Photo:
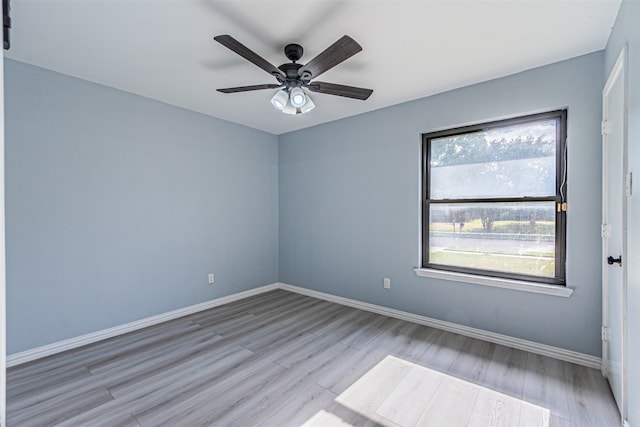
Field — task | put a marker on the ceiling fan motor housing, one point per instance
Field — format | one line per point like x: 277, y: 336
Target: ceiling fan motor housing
x: 291, y: 71
x: 293, y: 51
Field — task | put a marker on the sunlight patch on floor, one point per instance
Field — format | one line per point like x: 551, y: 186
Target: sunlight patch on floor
x: 400, y: 393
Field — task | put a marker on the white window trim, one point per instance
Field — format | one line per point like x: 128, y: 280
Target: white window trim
x: 497, y: 282
x: 527, y: 283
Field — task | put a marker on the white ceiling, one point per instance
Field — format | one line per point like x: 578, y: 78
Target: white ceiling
x: 164, y: 49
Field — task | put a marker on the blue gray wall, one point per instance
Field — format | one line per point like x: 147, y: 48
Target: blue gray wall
x: 118, y: 206
x: 350, y: 207
x: 627, y: 32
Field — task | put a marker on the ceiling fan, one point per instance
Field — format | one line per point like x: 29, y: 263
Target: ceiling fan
x: 293, y: 77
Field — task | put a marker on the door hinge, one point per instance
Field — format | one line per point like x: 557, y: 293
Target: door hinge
x: 605, y: 127
x: 562, y: 207
x: 605, y: 231
x: 605, y: 333
x: 628, y: 184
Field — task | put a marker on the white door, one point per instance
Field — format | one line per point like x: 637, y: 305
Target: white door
x: 614, y: 232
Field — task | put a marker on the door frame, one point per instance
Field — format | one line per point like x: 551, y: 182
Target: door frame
x: 619, y: 70
x: 3, y: 299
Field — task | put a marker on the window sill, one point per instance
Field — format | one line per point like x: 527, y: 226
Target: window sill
x: 518, y: 285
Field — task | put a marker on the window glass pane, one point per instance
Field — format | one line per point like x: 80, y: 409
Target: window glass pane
x: 512, y: 161
x: 505, y: 237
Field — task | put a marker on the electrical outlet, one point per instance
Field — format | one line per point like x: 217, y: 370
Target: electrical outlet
x: 387, y: 283
x: 211, y: 279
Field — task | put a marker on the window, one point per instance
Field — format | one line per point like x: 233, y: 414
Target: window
x: 494, y: 199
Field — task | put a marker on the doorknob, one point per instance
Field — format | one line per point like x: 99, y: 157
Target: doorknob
x: 611, y: 260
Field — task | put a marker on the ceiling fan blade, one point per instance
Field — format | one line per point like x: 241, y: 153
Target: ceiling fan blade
x: 233, y: 44
x: 343, y: 49
x: 340, y: 90
x: 247, y: 88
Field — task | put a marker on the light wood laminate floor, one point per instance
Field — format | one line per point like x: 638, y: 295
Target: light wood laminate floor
x: 283, y: 359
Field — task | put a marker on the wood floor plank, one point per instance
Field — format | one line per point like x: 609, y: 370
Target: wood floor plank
x: 160, y: 364
x: 139, y: 337
x: 114, y: 349
x: 146, y: 354
x: 45, y: 380
x: 443, y: 352
x: 506, y: 371
x: 61, y: 407
x: 288, y: 303
x: 365, y: 336
x: 304, y: 323
x: 38, y: 367
x: 545, y: 384
x: 421, y: 384
x: 196, y: 405
x: 533, y: 416
x: 213, y: 315
x: 311, y: 353
x: 355, y: 326
x: 311, y: 318
x: 395, y: 336
x: 36, y: 396
x: 295, y: 411
x: 176, y: 377
x: 338, y: 415
x: 452, y: 405
x: 187, y: 404
x: 280, y: 398
x: 105, y: 419
x: 224, y: 324
x: 472, y: 361
x: 557, y: 421
x: 161, y: 390
x: 267, y: 335
x: 342, y: 320
x: 350, y: 365
x: 590, y: 400
x: 284, y: 359
x: 495, y: 410
x: 369, y: 392
x: 418, y: 342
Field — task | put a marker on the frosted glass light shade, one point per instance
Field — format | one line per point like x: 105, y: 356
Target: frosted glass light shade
x: 290, y: 109
x: 298, y: 98
x: 280, y: 99
x: 308, y: 106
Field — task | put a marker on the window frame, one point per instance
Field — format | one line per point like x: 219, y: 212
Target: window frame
x: 560, y: 197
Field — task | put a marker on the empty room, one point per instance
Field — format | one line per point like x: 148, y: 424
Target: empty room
x: 320, y: 213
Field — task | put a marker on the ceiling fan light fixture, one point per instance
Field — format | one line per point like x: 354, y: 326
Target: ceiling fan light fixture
x: 298, y: 98
x: 280, y: 100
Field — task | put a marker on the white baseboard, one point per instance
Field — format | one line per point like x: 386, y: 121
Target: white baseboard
x: 533, y: 347
x: 543, y: 349
x: 60, y: 346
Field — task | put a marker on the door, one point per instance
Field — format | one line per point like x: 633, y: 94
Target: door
x: 614, y: 232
